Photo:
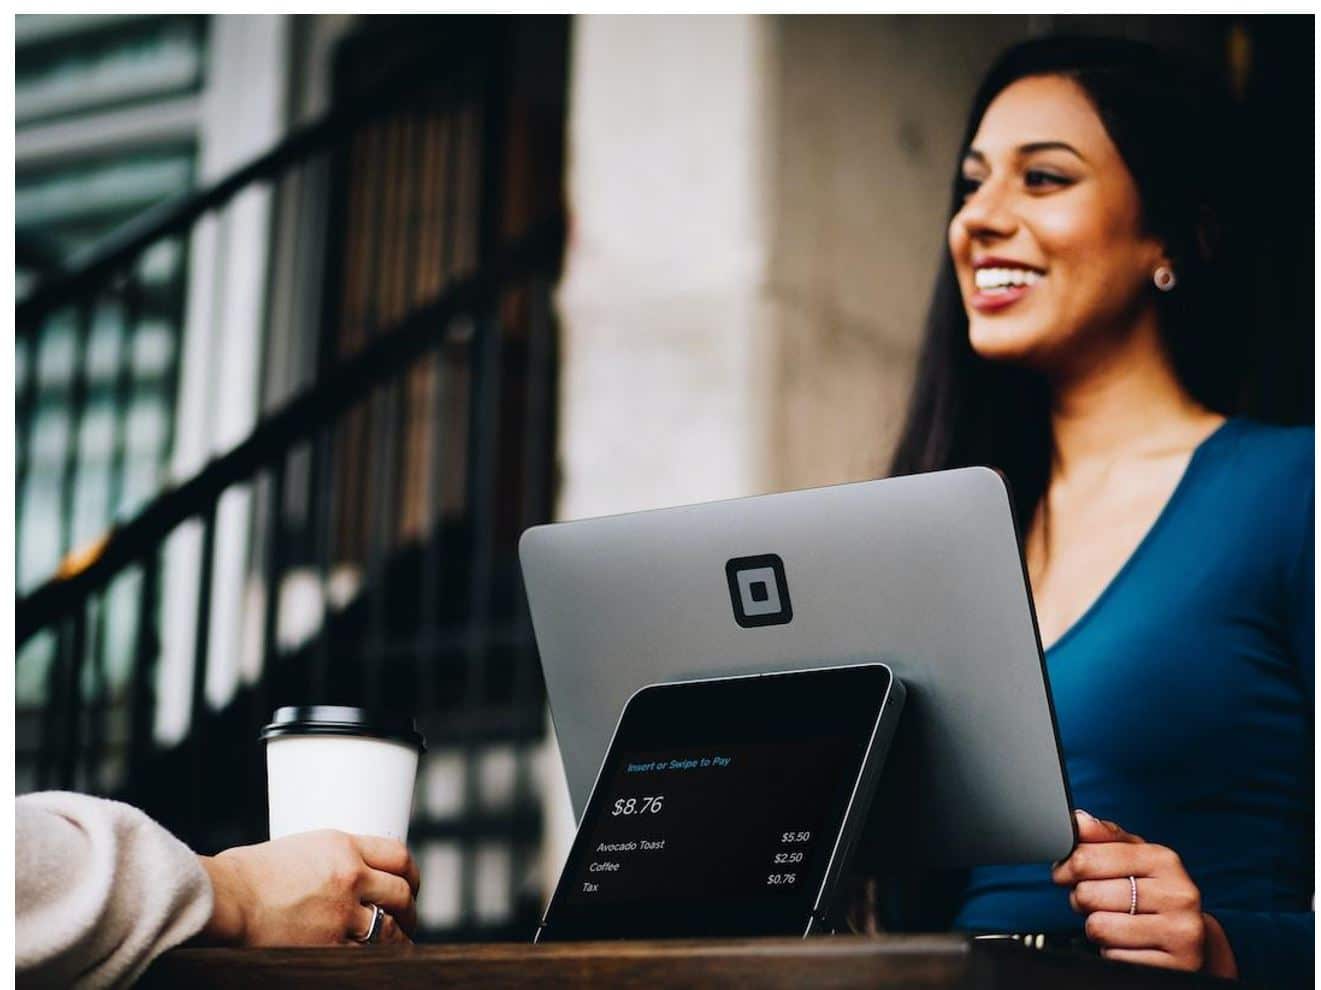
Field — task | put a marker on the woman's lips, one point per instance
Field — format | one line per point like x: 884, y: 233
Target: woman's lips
x: 991, y: 301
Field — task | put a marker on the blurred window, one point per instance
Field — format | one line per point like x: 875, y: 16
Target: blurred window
x: 108, y: 122
x: 95, y: 383
x: 115, y: 359
x: 71, y: 65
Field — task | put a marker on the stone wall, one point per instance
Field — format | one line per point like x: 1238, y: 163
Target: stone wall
x: 662, y: 338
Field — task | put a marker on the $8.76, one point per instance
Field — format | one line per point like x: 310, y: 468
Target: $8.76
x: 638, y: 806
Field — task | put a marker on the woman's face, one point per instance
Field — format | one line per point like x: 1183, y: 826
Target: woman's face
x: 1048, y: 246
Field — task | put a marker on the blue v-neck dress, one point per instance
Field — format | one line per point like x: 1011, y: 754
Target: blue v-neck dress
x: 1184, y: 697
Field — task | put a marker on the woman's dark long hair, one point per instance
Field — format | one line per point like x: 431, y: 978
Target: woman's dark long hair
x: 1169, y: 125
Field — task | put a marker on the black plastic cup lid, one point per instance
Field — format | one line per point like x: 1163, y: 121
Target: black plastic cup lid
x: 340, y: 720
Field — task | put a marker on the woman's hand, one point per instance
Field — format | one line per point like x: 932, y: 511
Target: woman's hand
x: 1168, y: 929
x: 311, y: 889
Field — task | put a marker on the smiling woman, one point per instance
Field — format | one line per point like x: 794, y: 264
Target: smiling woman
x: 1082, y: 340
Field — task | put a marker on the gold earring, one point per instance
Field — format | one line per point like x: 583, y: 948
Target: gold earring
x: 1164, y: 278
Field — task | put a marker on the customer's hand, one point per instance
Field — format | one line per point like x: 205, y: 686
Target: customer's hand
x: 1169, y: 928
x: 311, y: 889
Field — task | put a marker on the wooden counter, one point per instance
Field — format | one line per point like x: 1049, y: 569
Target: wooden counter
x: 917, y: 961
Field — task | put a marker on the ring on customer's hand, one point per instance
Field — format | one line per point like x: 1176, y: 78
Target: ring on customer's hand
x: 1132, y: 895
x: 374, y: 929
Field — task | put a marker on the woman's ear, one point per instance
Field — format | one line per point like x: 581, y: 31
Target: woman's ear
x: 1156, y: 258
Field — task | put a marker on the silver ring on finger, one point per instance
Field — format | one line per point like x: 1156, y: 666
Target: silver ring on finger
x: 374, y: 929
x: 1132, y: 895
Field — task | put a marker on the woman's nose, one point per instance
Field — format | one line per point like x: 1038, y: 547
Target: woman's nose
x: 987, y: 214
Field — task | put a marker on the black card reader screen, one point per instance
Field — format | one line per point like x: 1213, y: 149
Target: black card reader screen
x: 724, y: 821
x: 719, y: 805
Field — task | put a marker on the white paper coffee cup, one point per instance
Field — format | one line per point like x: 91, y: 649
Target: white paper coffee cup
x: 329, y: 766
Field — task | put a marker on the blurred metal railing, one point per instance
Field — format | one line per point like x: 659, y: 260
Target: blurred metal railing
x: 398, y: 478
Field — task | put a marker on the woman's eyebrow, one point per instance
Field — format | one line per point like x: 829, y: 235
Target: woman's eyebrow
x: 1027, y: 149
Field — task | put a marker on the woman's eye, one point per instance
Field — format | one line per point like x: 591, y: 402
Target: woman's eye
x: 968, y: 186
x: 1036, y: 179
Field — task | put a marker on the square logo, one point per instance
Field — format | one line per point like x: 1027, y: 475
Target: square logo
x: 758, y: 591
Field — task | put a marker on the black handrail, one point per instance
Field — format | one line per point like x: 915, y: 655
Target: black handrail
x: 110, y: 254
x: 36, y: 250
x: 426, y: 327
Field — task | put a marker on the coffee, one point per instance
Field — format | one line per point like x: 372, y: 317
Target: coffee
x: 330, y: 766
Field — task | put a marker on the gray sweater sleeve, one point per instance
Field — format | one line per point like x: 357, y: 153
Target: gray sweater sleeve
x: 100, y: 890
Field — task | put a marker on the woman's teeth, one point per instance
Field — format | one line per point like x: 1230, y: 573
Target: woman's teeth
x: 1002, y: 279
